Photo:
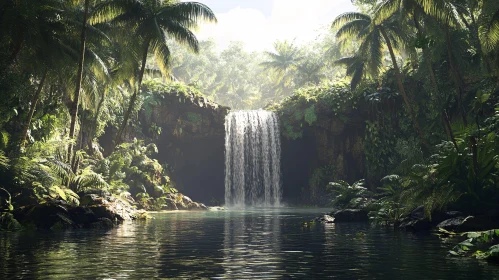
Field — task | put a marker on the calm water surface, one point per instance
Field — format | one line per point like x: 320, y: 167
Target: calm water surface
x: 259, y: 244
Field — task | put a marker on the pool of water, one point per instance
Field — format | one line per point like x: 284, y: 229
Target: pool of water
x: 257, y: 243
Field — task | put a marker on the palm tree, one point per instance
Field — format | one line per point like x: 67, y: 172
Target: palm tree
x: 74, y: 106
x: 21, y: 30
x: 282, y: 62
x: 310, y: 71
x: 150, y: 22
x: 373, y: 38
x: 414, y: 10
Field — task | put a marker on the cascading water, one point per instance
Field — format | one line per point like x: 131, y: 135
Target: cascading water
x: 252, y: 159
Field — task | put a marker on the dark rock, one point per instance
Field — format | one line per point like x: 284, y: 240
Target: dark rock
x: 92, y: 199
x: 439, y: 217
x: 82, y: 215
x: 102, y: 211
x: 8, y: 222
x: 350, y: 215
x: 470, y: 223
x: 45, y: 216
x: 415, y: 224
x: 170, y: 204
x: 102, y: 223
x: 326, y: 219
x: 418, y: 213
x: 97, y: 192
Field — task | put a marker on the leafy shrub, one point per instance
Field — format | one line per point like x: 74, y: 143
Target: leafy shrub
x: 350, y: 196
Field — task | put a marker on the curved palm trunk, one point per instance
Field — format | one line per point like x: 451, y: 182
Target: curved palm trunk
x: 400, y: 84
x: 75, y: 104
x: 117, y: 141
x: 94, y: 123
x: 34, y: 102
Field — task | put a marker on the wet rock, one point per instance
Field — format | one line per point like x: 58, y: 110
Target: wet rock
x: 470, y: 223
x: 8, y: 222
x: 102, y: 211
x: 350, y: 215
x: 45, y: 216
x: 418, y: 213
x: 82, y: 215
x: 326, y: 219
x: 197, y: 206
x: 102, y: 223
x: 92, y: 199
x: 169, y: 205
x: 186, y: 200
x: 415, y: 224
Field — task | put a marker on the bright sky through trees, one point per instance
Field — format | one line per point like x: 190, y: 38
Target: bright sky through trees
x: 259, y: 23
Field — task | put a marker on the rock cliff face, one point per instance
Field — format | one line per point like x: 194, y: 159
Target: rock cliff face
x: 192, y: 143
x: 189, y: 132
x: 330, y: 149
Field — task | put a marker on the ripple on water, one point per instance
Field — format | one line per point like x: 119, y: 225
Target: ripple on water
x: 255, y: 244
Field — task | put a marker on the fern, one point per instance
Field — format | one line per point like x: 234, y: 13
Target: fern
x: 4, y: 160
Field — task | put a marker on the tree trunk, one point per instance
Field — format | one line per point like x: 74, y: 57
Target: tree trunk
x: 75, y: 103
x: 460, y: 92
x: 34, y: 101
x: 398, y: 76
x: 117, y: 141
x: 94, y: 124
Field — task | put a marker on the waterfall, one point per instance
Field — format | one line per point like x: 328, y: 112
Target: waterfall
x: 252, y: 159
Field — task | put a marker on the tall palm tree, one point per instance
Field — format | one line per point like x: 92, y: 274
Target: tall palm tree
x: 24, y: 22
x: 414, y: 10
x: 150, y: 23
x: 373, y: 38
x: 76, y: 99
x: 282, y: 62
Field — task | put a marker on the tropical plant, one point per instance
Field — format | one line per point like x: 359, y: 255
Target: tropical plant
x: 282, y: 62
x: 345, y: 195
x: 373, y: 37
x: 152, y: 22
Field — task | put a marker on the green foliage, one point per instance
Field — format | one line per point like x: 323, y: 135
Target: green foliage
x: 310, y: 116
x: 345, y: 195
x: 194, y: 117
x: 303, y: 107
x: 130, y: 168
x: 476, y: 244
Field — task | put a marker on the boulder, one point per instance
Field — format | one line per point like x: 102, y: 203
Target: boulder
x: 45, y: 216
x: 82, y: 215
x: 470, y: 223
x: 92, y: 199
x: 325, y: 219
x: 102, y: 223
x: 170, y: 205
x: 350, y: 215
x: 415, y: 224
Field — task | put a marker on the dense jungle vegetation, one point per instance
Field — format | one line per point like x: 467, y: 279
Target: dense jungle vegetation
x: 423, y: 75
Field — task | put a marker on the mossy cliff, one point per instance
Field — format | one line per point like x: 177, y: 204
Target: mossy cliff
x: 188, y: 130
x: 322, y: 140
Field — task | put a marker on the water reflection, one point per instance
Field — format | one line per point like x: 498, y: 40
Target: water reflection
x: 256, y: 243
x: 252, y: 244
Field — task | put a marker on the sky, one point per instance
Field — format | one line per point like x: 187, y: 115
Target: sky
x: 259, y: 23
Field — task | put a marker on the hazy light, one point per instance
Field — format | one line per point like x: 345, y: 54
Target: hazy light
x: 296, y: 20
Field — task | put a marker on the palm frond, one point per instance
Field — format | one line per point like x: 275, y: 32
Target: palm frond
x: 347, y: 17
x: 188, y: 12
x: 386, y: 9
x: 352, y: 29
